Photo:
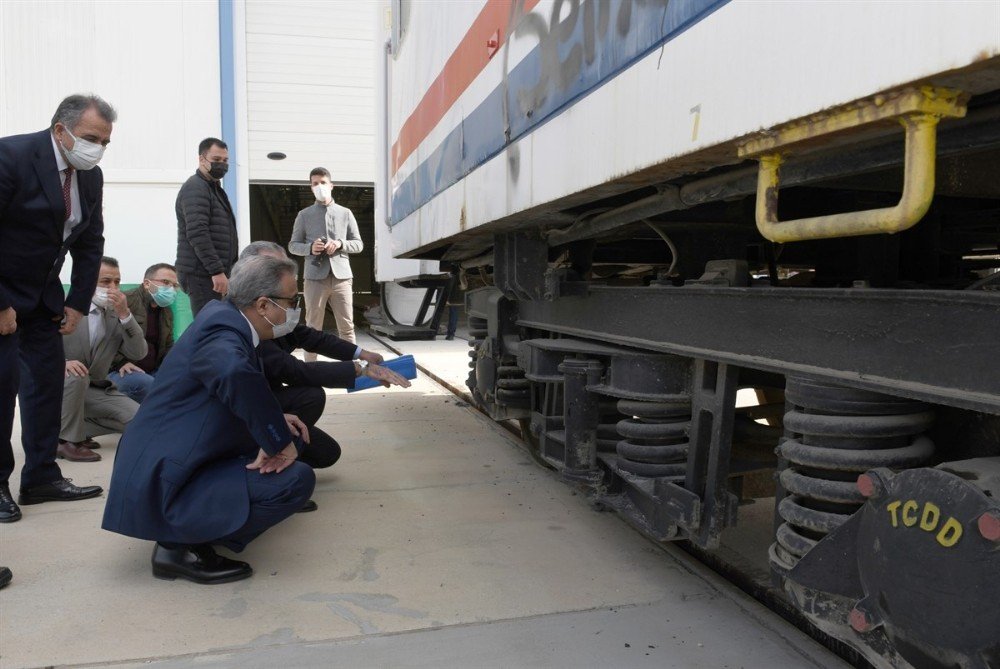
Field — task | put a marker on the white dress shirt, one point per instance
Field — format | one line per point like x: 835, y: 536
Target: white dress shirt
x: 95, y: 323
x: 253, y: 330
x: 74, y: 190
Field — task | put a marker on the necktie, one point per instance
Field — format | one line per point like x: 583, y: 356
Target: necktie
x: 67, y: 184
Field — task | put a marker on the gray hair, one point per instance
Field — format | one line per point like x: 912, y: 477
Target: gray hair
x: 256, y: 248
x: 258, y: 276
x: 70, y: 110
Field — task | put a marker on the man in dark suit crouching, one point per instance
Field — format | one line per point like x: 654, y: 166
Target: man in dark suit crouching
x: 210, y: 458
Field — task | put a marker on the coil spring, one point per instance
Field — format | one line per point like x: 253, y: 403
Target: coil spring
x: 840, y: 434
x: 512, y: 387
x: 607, y: 428
x: 655, y: 440
x: 477, y: 334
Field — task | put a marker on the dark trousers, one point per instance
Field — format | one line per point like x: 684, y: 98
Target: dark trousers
x: 308, y: 402
x: 32, y: 367
x: 273, y: 497
x: 199, y: 290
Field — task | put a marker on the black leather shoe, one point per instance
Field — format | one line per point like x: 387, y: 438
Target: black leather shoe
x: 200, y: 564
x: 9, y: 511
x: 5, y: 576
x: 308, y: 506
x: 61, y: 490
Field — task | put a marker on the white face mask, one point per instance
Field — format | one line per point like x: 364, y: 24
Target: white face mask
x: 322, y: 192
x: 100, y: 297
x: 292, y: 317
x: 84, y: 155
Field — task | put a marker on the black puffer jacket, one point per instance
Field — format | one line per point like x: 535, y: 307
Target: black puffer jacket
x: 206, y: 228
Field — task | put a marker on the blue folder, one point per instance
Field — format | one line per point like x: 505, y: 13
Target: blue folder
x: 404, y: 365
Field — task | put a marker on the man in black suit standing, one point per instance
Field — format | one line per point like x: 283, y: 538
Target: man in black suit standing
x: 51, y: 197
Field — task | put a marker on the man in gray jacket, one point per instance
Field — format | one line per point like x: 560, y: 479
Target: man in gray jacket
x: 91, y: 405
x: 207, y: 243
x: 326, y: 234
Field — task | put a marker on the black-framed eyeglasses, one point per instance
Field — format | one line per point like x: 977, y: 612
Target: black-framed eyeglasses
x: 295, y: 301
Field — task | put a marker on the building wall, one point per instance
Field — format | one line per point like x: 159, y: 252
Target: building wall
x: 306, y: 70
x: 158, y: 64
x: 311, y: 89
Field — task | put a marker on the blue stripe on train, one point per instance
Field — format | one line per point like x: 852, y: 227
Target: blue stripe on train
x: 593, y: 42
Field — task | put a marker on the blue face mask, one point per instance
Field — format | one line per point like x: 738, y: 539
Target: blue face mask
x: 164, y: 296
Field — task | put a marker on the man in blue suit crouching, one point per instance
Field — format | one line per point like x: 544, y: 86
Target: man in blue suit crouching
x: 210, y: 458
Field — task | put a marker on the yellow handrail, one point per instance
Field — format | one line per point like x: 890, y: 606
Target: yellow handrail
x: 917, y: 110
x: 918, y: 192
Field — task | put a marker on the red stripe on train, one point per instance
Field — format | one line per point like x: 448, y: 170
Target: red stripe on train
x: 466, y: 62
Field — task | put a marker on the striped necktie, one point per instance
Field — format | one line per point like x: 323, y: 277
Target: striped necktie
x: 67, y: 185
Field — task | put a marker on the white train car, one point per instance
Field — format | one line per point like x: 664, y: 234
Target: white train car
x: 610, y: 170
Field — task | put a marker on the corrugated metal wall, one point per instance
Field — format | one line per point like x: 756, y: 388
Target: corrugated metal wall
x: 310, y: 89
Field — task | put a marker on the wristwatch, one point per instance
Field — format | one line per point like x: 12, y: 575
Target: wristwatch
x: 362, y: 366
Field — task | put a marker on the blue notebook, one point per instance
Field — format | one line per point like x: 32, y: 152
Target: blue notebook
x: 404, y: 365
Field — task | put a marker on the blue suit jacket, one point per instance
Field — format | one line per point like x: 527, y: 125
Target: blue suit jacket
x: 180, y: 470
x: 32, y: 217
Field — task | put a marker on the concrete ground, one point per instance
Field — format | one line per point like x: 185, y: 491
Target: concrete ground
x: 437, y: 544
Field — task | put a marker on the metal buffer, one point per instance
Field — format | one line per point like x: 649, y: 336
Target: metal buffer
x: 835, y: 434
x: 917, y: 109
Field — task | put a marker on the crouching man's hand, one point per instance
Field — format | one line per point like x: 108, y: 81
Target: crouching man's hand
x: 297, y: 427
x: 386, y: 376
x: 274, y: 464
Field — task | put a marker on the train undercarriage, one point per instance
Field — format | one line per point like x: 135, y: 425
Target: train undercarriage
x: 684, y: 371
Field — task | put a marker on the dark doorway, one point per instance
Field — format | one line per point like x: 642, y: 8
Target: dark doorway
x: 272, y: 213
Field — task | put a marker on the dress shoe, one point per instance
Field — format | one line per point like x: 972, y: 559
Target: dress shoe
x: 5, y: 575
x: 61, y: 490
x: 308, y: 506
x: 9, y: 511
x: 200, y: 564
x: 91, y: 444
x: 76, y: 452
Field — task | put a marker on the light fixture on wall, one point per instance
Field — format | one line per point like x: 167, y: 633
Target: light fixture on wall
x: 276, y: 155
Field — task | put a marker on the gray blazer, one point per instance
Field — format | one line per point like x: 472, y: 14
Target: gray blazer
x: 336, y: 223
x: 127, y: 339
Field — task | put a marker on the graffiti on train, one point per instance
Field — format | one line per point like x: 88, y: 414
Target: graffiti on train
x: 552, y: 55
x: 575, y: 45
x: 568, y: 40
